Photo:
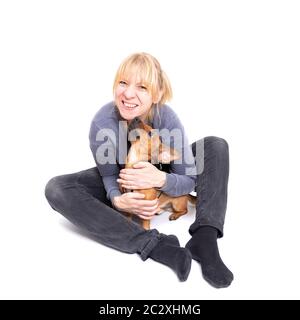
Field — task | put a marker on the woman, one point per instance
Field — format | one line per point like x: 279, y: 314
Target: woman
x: 91, y: 198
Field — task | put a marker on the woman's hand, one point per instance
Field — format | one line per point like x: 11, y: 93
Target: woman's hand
x: 144, y: 175
x: 132, y: 202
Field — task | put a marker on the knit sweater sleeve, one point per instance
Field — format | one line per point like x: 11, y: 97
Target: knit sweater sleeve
x: 103, y: 144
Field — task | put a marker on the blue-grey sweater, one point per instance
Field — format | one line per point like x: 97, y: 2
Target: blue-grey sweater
x: 108, y: 131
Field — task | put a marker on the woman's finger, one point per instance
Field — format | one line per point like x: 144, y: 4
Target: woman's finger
x: 130, y: 187
x: 122, y: 181
x: 144, y: 217
x: 148, y: 203
x: 126, y: 176
x: 149, y: 209
x: 148, y: 213
x: 141, y: 164
x: 127, y: 171
x: 135, y: 195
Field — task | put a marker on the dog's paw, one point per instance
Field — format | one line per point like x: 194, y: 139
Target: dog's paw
x: 174, y: 216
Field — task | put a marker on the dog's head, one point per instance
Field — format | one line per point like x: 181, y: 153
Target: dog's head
x: 146, y: 142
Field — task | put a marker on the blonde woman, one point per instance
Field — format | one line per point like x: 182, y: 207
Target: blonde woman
x: 91, y: 199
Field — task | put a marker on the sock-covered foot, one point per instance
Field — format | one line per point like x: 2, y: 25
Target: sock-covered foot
x: 169, y: 253
x: 204, y: 248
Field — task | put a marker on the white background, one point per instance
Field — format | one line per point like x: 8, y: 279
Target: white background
x: 235, y: 71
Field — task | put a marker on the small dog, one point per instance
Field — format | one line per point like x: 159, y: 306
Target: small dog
x: 148, y: 147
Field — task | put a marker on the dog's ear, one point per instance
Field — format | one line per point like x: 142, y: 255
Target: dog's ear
x: 146, y: 127
x: 167, y: 154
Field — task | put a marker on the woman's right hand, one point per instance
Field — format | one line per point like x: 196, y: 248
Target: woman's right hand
x: 132, y: 202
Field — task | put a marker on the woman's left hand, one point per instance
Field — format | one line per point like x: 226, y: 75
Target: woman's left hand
x: 143, y: 175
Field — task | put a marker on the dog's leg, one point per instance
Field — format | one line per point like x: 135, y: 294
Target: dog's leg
x: 164, y: 201
x: 177, y: 214
x: 150, y: 194
x: 146, y: 224
x: 179, y: 206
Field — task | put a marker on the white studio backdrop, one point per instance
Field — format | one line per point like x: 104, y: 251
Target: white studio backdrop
x: 234, y: 67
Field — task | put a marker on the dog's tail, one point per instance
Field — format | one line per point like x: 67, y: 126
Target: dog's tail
x: 192, y: 199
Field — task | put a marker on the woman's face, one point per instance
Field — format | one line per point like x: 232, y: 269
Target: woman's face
x: 132, y: 98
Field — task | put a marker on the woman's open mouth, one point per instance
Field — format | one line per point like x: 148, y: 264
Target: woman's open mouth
x: 129, y: 106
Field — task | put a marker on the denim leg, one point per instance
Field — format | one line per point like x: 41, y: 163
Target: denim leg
x: 211, y: 183
x: 81, y: 198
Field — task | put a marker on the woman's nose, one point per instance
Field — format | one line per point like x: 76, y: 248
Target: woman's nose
x: 129, y: 92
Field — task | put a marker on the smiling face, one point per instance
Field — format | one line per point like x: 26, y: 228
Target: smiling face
x: 139, y: 84
x: 132, y: 98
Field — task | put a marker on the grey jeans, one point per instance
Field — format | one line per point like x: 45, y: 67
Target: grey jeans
x: 81, y: 198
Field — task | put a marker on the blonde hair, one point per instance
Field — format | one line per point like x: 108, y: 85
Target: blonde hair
x: 148, y: 69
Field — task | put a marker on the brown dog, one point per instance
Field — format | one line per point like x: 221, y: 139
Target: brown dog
x: 148, y: 147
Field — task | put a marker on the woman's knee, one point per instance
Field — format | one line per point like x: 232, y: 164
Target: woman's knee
x: 54, y: 189
x: 217, y: 143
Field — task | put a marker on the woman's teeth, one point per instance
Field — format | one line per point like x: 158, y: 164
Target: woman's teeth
x: 129, y: 105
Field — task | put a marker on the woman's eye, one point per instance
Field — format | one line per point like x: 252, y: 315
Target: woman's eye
x: 143, y: 88
x: 122, y: 83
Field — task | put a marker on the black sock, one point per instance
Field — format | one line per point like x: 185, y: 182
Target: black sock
x: 169, y: 253
x: 204, y: 248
